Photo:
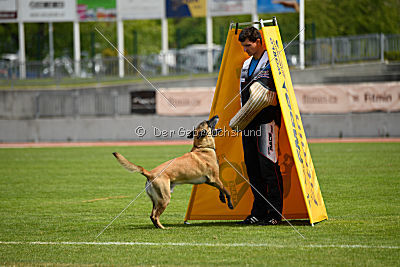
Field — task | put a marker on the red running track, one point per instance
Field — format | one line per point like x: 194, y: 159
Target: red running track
x: 180, y: 142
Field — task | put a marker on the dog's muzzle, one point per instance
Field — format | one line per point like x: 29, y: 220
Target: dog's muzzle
x: 211, y: 124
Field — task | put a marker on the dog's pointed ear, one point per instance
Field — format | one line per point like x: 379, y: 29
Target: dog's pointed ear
x: 190, y: 135
x: 202, y: 134
x: 213, y: 121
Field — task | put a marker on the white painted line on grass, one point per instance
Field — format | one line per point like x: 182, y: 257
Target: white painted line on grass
x: 198, y: 244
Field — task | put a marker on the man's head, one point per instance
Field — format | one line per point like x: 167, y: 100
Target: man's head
x: 250, y: 38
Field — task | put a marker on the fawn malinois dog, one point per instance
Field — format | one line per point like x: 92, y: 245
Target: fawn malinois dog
x: 198, y: 166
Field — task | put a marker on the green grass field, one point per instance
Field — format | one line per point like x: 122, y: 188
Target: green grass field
x: 45, y: 193
x: 76, y: 83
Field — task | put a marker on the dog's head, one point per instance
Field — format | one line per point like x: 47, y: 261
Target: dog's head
x: 204, y: 133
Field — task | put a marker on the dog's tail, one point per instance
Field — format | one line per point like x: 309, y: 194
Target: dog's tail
x: 130, y: 166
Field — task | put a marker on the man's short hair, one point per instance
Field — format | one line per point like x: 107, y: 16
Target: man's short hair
x: 250, y: 33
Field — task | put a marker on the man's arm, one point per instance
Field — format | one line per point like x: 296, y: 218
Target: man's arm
x: 260, y: 97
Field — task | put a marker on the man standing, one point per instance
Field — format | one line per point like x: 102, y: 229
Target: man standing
x: 261, y: 152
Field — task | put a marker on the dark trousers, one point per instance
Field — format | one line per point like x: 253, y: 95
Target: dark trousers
x: 266, y: 177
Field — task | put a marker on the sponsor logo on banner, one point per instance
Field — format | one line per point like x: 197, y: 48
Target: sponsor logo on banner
x: 232, y: 7
x: 143, y: 102
x: 273, y: 6
x: 186, y: 8
x: 346, y: 98
x: 97, y: 10
x: 8, y: 15
x: 181, y: 102
x: 46, y: 4
x: 8, y: 10
x: 47, y: 11
x: 139, y: 9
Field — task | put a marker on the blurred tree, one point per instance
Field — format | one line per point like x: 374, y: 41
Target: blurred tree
x: 92, y: 42
x: 191, y: 31
x: 35, y: 33
x: 353, y: 17
x: 148, y: 33
x: 9, y: 38
x: 221, y: 26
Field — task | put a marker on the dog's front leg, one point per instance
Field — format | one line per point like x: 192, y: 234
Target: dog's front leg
x: 222, y: 197
x: 222, y: 192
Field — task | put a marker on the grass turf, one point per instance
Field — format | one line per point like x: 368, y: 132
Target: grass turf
x: 44, y: 195
x: 74, y: 83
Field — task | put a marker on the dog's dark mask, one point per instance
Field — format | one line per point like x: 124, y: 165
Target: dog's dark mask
x: 211, y: 124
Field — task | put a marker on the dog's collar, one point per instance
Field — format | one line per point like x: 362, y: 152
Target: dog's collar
x: 204, y: 147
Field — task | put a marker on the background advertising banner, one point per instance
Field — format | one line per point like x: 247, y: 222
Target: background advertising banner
x: 143, y: 102
x: 97, y: 10
x: 139, y: 9
x: 8, y: 10
x: 311, y: 99
x: 276, y: 6
x: 184, y: 101
x: 47, y: 11
x: 226, y: 8
x: 186, y: 8
x: 346, y: 98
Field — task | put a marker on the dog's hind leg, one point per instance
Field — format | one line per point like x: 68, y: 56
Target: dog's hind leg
x: 153, y: 213
x: 161, y: 199
x: 150, y: 192
x: 160, y: 208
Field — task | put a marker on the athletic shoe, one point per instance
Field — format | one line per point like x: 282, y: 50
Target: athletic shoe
x: 271, y: 221
x: 250, y: 220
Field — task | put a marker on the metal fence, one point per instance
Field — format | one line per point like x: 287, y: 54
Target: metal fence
x: 81, y: 104
x: 320, y: 51
x: 70, y: 103
x: 184, y: 61
x: 346, y: 49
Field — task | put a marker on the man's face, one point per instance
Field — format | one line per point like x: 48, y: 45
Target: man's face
x: 251, y: 48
